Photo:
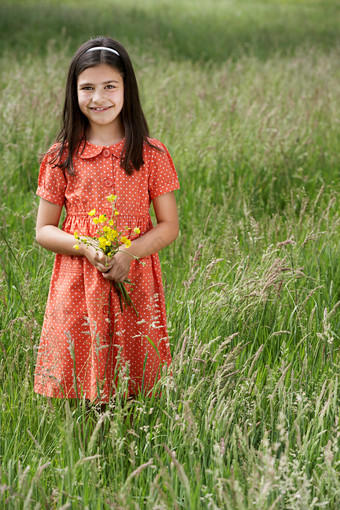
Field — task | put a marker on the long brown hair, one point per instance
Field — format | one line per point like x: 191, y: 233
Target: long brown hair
x: 75, y: 124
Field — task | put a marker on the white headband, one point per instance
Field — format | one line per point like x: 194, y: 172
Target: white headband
x: 103, y: 48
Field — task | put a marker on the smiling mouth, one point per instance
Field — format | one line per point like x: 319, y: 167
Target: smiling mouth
x: 102, y: 109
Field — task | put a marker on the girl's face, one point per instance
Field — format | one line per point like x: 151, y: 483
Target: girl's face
x: 101, y: 96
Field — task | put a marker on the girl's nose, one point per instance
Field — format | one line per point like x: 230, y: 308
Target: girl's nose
x: 97, y: 96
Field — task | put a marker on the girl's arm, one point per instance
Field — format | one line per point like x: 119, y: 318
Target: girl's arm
x: 52, y: 238
x: 163, y: 234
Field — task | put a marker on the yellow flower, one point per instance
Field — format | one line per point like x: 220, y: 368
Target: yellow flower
x: 102, y: 218
x: 76, y: 234
x: 106, y: 229
x: 112, y: 234
x: 136, y: 230
x: 76, y: 247
x: 124, y: 240
x: 92, y: 213
x: 95, y: 221
x: 108, y: 243
x: 102, y: 242
x: 116, y: 213
x: 111, y: 222
x: 111, y: 198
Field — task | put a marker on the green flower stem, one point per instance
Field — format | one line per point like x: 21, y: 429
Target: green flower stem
x: 123, y: 295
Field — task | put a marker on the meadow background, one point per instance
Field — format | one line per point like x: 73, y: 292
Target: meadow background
x: 246, y: 96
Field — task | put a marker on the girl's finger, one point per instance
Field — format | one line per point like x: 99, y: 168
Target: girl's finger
x: 105, y: 261
x: 109, y: 262
x: 102, y: 268
x: 100, y: 257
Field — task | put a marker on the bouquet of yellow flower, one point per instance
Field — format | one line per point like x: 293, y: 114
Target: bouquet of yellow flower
x: 109, y: 240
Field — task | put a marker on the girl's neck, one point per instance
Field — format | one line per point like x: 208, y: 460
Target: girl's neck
x: 105, y: 136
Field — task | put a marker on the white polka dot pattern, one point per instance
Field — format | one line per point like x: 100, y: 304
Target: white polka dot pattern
x: 86, y: 341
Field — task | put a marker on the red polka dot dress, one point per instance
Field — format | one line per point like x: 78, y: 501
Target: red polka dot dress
x: 86, y: 340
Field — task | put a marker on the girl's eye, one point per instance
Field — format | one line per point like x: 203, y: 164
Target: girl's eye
x: 86, y: 88
x: 110, y: 87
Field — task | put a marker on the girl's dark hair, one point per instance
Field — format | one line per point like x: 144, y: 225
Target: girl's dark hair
x: 74, y: 123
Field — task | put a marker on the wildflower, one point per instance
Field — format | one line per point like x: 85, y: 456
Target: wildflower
x: 136, y: 230
x: 111, y: 198
x: 112, y: 234
x: 124, y: 240
x: 76, y: 247
x: 109, y: 240
x: 102, y: 243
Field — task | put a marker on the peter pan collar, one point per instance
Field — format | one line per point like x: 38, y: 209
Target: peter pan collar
x: 91, y: 150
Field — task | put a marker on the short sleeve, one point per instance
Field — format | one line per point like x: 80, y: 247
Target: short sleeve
x: 51, y: 182
x: 163, y: 176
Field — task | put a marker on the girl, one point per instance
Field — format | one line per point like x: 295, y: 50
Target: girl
x: 102, y: 149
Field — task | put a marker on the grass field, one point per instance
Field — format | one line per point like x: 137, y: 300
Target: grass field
x: 246, y: 96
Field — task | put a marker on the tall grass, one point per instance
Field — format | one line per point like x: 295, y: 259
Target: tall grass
x: 250, y: 418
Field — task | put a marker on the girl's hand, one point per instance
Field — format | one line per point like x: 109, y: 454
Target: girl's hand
x: 120, y: 268
x: 98, y: 259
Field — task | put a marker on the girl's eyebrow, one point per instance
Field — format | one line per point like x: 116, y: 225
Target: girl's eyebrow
x: 83, y: 84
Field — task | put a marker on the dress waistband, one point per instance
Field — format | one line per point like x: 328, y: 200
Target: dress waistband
x: 104, y: 211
